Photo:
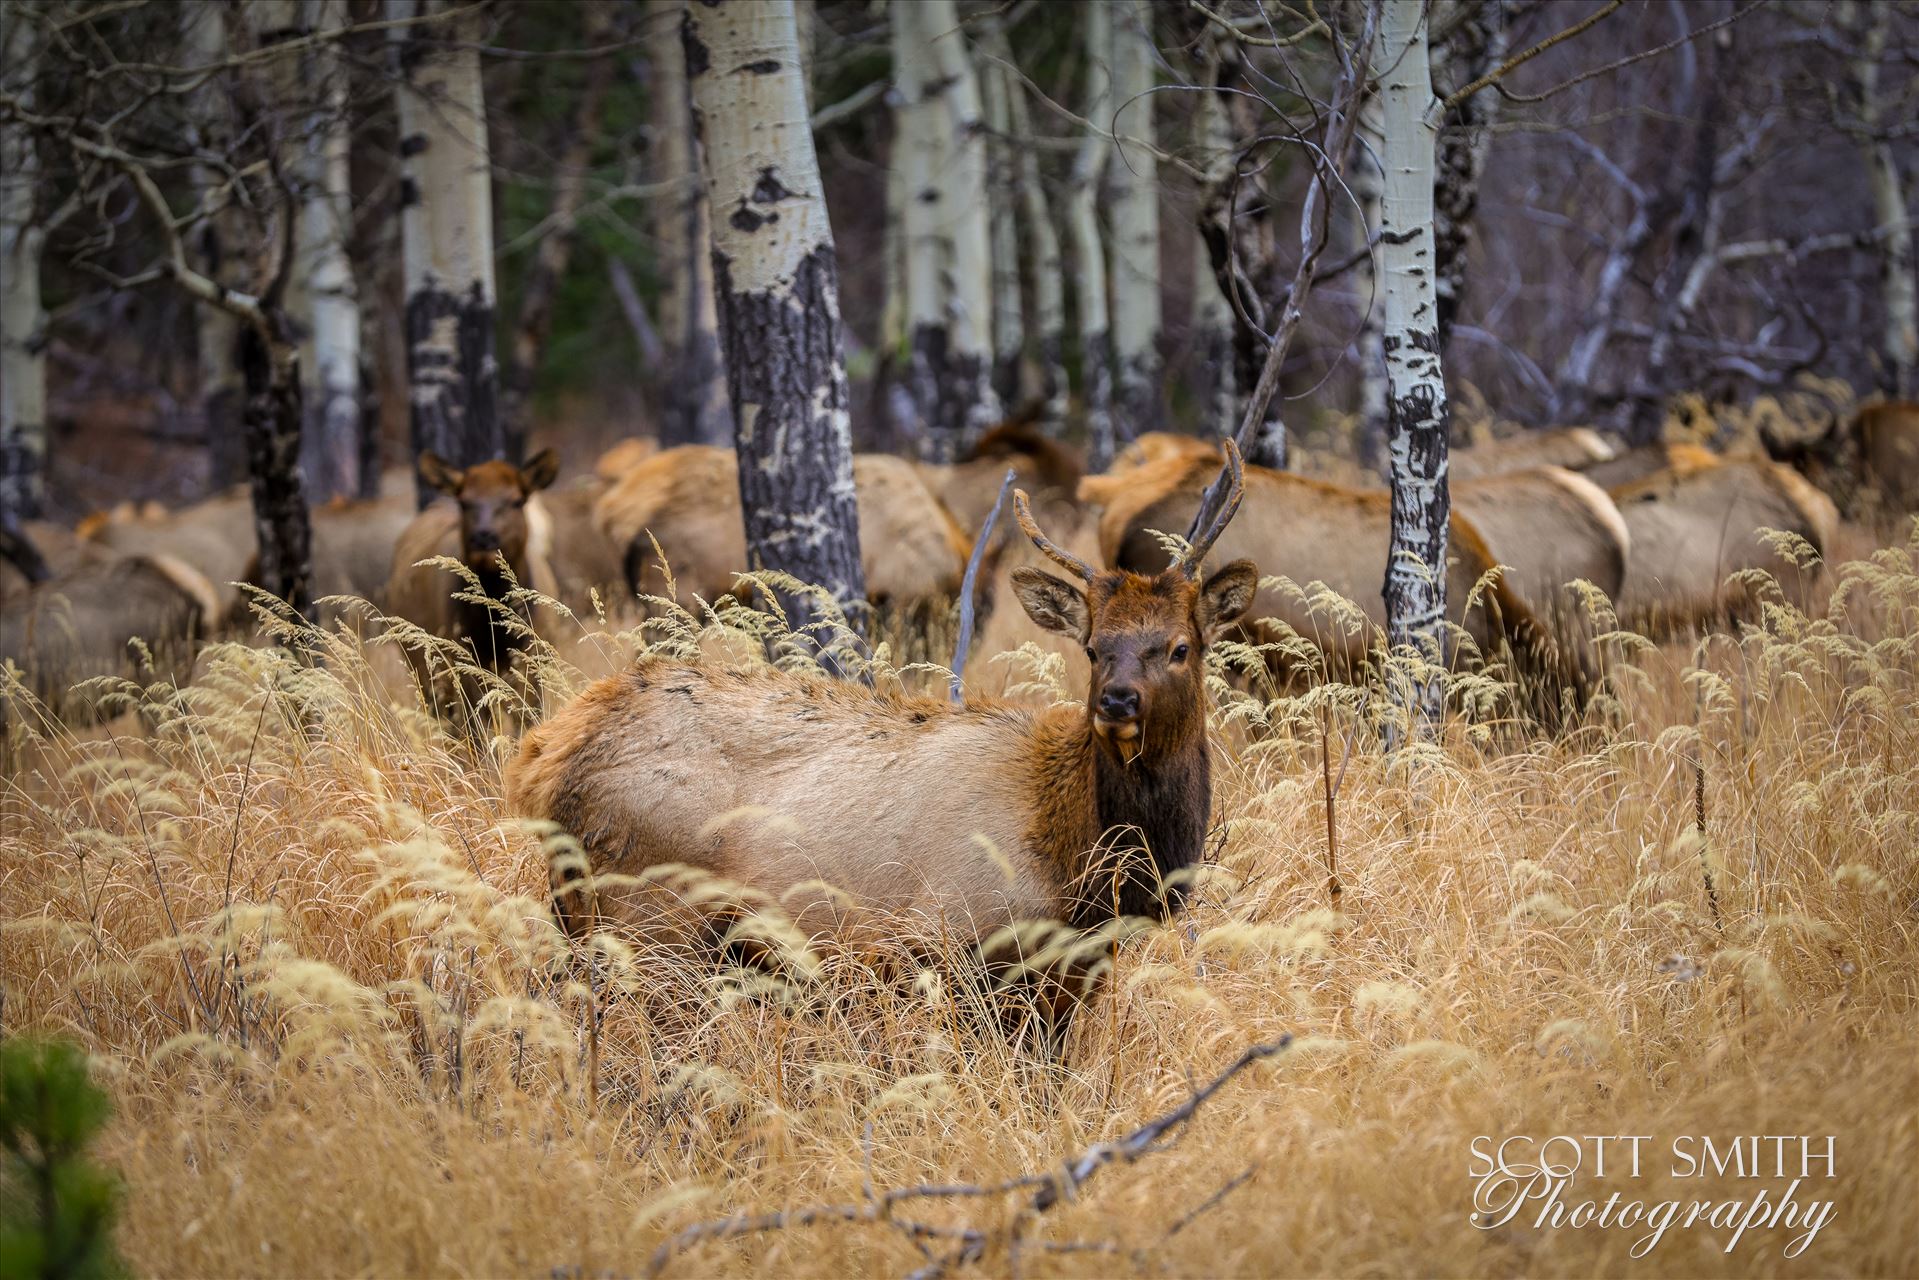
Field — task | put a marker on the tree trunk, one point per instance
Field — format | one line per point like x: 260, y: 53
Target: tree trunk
x: 555, y: 249
x: 336, y: 434
x: 1475, y: 43
x: 777, y: 283
x: 1418, y: 416
x: 1049, y: 272
x: 942, y: 146
x: 23, y: 319
x: 1134, y: 187
x: 222, y: 248
x: 1237, y: 226
x: 696, y: 410
x: 1899, y: 284
x: 1089, y: 259
x: 1212, y: 341
x: 1366, y: 181
x: 1009, y: 330
x: 447, y: 241
x: 273, y: 416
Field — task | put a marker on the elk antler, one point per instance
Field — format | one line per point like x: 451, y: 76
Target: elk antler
x: 1057, y: 554
x: 1234, y: 477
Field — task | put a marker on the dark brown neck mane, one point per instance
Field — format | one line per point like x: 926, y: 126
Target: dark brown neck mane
x: 1147, y: 821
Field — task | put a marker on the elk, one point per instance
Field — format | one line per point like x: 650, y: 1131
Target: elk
x: 84, y: 621
x: 1574, y: 448
x: 960, y: 820
x: 687, y: 499
x: 1694, y: 526
x: 496, y: 526
x: 1047, y: 469
x: 1310, y: 531
x: 1870, y: 460
x: 1549, y: 526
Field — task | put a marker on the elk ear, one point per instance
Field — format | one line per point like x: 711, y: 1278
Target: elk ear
x: 540, y: 470
x: 438, y: 474
x: 1227, y: 596
x: 1053, y: 604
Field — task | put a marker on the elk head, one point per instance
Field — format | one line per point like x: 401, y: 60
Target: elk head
x: 492, y: 498
x: 1145, y: 636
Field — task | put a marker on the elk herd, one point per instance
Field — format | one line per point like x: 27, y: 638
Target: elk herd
x: 843, y: 804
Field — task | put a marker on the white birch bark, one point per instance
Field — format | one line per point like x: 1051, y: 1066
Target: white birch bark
x: 1089, y: 258
x: 942, y: 148
x: 330, y: 348
x: 446, y: 241
x: 696, y: 408
x: 777, y: 286
x: 23, y: 318
x: 1899, y: 284
x: 1365, y: 182
x: 1048, y: 325
x: 1133, y: 184
x: 1417, y: 409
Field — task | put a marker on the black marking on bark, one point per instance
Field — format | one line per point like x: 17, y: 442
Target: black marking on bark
x: 455, y: 394
x: 769, y: 189
x: 744, y: 219
x: 272, y: 422
x: 1398, y: 237
x: 764, y: 67
x: 947, y: 385
x: 929, y: 195
x: 409, y: 193
x: 784, y: 358
x: 413, y: 144
x: 698, y: 60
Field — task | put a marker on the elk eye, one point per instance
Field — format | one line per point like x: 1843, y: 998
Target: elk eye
x: 1179, y: 652
x: 1090, y: 655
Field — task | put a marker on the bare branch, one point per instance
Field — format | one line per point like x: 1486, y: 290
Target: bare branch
x: 1520, y: 59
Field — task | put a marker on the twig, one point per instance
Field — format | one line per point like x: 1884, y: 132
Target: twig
x: 1051, y: 1189
x: 1520, y: 59
x: 969, y: 585
x: 1140, y: 1142
x: 1211, y: 1202
x: 1313, y: 28
x: 1629, y: 59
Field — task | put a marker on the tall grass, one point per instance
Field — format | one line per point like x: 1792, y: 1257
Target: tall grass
x: 311, y: 956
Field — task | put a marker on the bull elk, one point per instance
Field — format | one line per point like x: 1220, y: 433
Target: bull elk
x: 959, y: 819
x: 1309, y: 531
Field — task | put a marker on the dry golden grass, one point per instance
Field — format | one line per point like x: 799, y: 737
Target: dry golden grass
x: 312, y: 958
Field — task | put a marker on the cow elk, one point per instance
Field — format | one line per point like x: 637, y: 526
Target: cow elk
x: 687, y: 501
x: 1574, y: 448
x: 868, y: 815
x: 134, y: 616
x: 496, y: 526
x: 1695, y: 526
x: 1869, y: 460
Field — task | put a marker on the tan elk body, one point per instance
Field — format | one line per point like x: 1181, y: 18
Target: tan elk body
x: 1694, y: 526
x: 855, y: 810
x: 687, y: 499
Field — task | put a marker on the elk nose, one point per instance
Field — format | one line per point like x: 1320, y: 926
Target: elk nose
x: 1119, y: 703
x: 485, y: 540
